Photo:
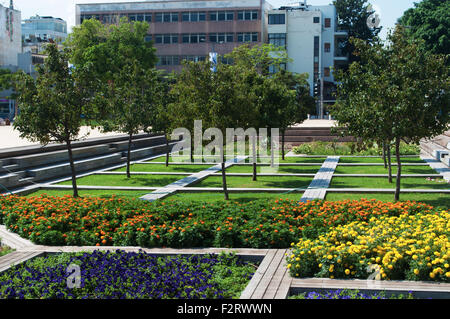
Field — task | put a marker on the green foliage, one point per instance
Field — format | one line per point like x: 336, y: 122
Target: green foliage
x: 429, y: 20
x: 350, y: 148
x: 397, y: 92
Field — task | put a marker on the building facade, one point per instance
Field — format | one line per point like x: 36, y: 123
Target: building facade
x: 37, y: 30
x: 312, y: 39
x: 188, y: 30
x: 10, y: 49
x: 10, y: 35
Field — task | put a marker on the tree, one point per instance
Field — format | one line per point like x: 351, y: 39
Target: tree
x: 120, y: 57
x: 131, y: 100
x: 397, y: 92
x: 51, y: 107
x: 287, y: 102
x: 5, y: 79
x: 352, y: 17
x: 429, y: 20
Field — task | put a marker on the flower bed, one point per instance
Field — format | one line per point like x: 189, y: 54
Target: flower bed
x: 411, y: 247
x: 124, y: 222
x: 349, y: 294
x: 128, y: 275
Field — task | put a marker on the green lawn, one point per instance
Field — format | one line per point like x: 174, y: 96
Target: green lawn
x: 122, y: 180
x: 381, y: 170
x: 436, y: 200
x: 280, y: 169
x: 379, y: 160
x: 86, y: 193
x: 237, y: 197
x: 262, y: 182
x: 382, y: 182
x: 163, y: 168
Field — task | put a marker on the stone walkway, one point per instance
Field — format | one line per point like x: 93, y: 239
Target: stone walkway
x: 318, y: 187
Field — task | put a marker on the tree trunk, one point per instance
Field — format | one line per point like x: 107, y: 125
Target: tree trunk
x: 130, y: 137
x: 167, y: 151
x: 192, y: 151
x: 282, y: 145
x: 389, y: 161
x: 224, y: 181
x: 254, y: 158
x: 72, y: 168
x: 399, y: 169
x: 384, y: 154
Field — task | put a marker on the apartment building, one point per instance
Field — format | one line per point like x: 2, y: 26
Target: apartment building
x: 188, y: 30
x: 313, y: 41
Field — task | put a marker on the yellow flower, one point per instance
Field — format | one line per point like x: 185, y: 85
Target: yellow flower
x: 416, y: 271
x: 347, y: 271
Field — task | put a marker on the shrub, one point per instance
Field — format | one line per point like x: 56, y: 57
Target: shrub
x: 115, y: 221
x: 412, y: 247
x: 350, y: 148
x: 129, y: 275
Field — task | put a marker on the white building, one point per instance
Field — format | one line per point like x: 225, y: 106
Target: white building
x: 37, y: 30
x: 10, y: 35
x: 311, y: 38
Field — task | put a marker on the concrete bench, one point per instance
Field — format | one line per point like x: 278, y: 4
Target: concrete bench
x: 48, y: 172
x: 439, y: 154
x: 59, y: 156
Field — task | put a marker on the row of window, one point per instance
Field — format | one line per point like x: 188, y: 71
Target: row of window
x: 247, y: 15
x: 177, y: 59
x: 281, y: 19
x: 202, y: 37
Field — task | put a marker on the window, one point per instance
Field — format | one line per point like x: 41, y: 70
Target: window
x: 193, y: 37
x: 168, y: 60
x: 148, y: 17
x: 277, y: 19
x: 327, y: 22
x: 326, y: 71
x: 4, y: 106
x: 166, y: 38
x: 193, y: 58
x: 316, y: 46
x: 166, y: 17
x: 327, y: 47
x: 278, y: 39
x: 316, y: 19
x: 247, y: 37
x: 221, y: 37
x: 193, y: 16
x: 221, y: 16
x: 148, y: 38
x: 140, y: 17
x: 248, y: 15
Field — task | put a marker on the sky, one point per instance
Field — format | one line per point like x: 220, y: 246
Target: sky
x: 388, y: 10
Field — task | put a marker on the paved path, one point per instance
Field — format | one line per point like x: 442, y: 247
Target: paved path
x: 318, y: 187
x: 194, y: 178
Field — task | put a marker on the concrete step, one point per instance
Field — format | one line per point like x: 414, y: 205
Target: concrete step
x: 147, y: 151
x: 63, y: 169
x: 35, y: 160
x: 8, y: 180
x: 141, y: 143
x: 9, y: 168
